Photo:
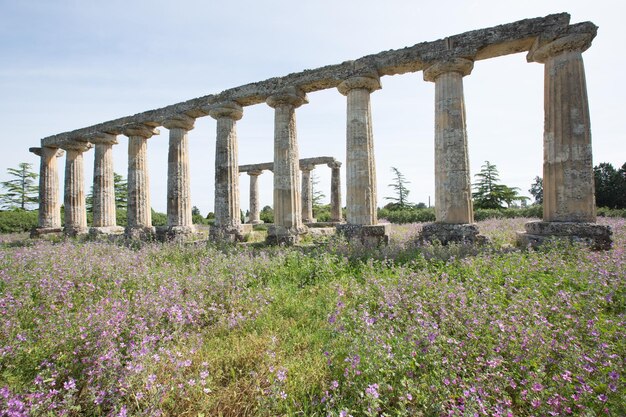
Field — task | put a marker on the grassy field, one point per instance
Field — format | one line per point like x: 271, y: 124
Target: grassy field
x: 95, y: 329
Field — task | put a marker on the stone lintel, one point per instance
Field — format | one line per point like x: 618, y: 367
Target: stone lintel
x: 577, y: 38
x: 307, y: 167
x: 461, y: 65
x: 139, y: 129
x: 230, y: 110
x: 596, y: 236
x: 334, y: 164
x: 38, y: 151
x: 477, y: 44
x: 256, y: 169
x: 269, y: 166
x: 180, y: 121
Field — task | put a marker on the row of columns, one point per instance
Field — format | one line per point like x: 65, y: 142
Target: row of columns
x: 568, y: 171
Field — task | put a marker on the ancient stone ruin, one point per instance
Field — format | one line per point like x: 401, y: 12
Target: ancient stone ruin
x: 569, y: 208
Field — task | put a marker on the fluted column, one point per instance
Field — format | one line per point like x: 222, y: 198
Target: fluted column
x: 227, y: 225
x: 360, y: 167
x: 568, y: 182
x: 287, y: 212
x: 255, y: 208
x: 335, y: 192
x: 74, y: 199
x: 139, y: 221
x: 49, y: 202
x: 568, y: 179
x: 179, y: 219
x: 307, y: 194
x: 454, y: 213
x: 453, y: 187
x: 104, y: 209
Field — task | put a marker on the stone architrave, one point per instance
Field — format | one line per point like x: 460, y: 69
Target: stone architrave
x: 335, y: 192
x: 179, y: 219
x: 255, y: 207
x: 287, y: 212
x: 49, y: 202
x: 454, y: 214
x: 568, y: 179
x: 307, y: 194
x: 139, y: 221
x: 104, y: 209
x: 74, y: 198
x: 227, y: 225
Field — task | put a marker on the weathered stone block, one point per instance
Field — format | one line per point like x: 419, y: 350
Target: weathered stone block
x: 370, y: 235
x: 446, y: 233
x: 536, y: 233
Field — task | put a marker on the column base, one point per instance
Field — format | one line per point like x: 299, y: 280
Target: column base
x: 99, y: 231
x: 176, y: 233
x: 140, y: 232
x: 256, y: 222
x: 446, y: 233
x: 369, y: 235
x: 596, y: 236
x: 41, y: 231
x: 230, y: 233
x: 75, y: 231
x: 309, y: 221
x: 280, y: 235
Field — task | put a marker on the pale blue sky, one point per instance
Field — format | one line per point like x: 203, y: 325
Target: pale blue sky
x: 67, y: 64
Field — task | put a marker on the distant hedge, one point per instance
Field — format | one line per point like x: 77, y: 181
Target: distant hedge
x: 18, y: 221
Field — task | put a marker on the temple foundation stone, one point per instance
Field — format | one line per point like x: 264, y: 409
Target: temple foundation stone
x: 179, y: 219
x: 361, y: 202
x: 49, y: 203
x: 139, y: 224
x: 227, y: 227
x: 287, y: 227
x: 568, y: 179
x: 454, y: 217
x: 104, y: 210
x: 74, y: 198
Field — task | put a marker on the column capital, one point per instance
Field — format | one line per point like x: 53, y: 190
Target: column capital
x: 369, y: 82
x: 140, y: 129
x: 254, y: 173
x: 291, y: 95
x: 179, y: 121
x: 229, y: 110
x: 307, y: 167
x: 460, y: 65
x: 574, y: 42
x: 334, y: 164
x: 39, y: 151
x: 76, y: 146
x: 103, y: 138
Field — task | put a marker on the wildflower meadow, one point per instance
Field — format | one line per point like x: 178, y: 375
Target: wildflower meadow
x: 333, y: 329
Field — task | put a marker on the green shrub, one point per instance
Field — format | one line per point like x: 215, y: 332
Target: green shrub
x: 18, y: 221
x: 159, y: 219
x: 607, y: 212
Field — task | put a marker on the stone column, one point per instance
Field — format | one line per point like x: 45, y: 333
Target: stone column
x: 568, y: 179
x: 227, y: 225
x: 361, y: 202
x: 287, y: 212
x: 179, y: 220
x: 255, y: 208
x: 307, y: 194
x: 74, y: 199
x: 104, y: 209
x: 335, y: 192
x: 453, y: 188
x: 139, y: 224
x: 49, y: 203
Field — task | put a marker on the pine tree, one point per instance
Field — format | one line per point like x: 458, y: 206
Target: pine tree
x: 490, y: 194
x: 399, y: 186
x: 21, y: 191
x: 318, y: 195
x: 536, y: 190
